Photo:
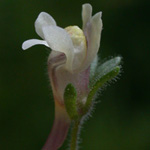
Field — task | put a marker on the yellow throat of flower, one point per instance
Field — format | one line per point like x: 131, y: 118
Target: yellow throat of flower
x: 79, y: 41
x: 76, y: 35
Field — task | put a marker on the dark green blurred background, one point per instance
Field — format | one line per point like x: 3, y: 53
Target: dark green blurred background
x: 121, y: 121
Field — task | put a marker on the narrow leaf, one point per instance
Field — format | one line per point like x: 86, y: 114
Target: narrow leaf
x: 99, y: 83
x: 105, y: 68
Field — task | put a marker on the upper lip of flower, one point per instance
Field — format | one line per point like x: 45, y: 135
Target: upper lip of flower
x: 59, y: 40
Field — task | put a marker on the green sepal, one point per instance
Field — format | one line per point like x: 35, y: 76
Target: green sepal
x: 70, y: 97
x: 98, y: 84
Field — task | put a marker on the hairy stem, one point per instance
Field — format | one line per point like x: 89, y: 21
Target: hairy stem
x: 74, y: 136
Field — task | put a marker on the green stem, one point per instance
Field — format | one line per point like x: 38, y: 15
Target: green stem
x: 74, y: 135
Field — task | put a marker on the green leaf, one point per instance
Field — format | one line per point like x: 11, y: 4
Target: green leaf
x: 105, y: 68
x: 70, y: 96
x: 99, y: 83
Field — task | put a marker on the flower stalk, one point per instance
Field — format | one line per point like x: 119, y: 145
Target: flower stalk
x: 75, y: 135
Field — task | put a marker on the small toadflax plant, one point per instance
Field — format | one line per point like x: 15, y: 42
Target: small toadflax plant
x: 74, y: 71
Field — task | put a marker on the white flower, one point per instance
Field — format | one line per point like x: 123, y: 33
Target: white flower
x: 73, y: 50
x: 80, y: 47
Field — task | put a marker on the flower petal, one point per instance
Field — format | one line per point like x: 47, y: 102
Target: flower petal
x: 60, y: 78
x: 86, y: 13
x: 29, y: 43
x: 44, y: 19
x: 59, y: 40
x: 93, y: 35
